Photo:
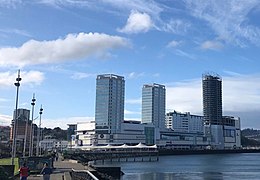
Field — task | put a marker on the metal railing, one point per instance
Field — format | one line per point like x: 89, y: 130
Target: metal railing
x: 82, y: 175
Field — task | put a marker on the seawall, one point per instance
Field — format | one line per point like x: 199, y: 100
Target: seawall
x: 213, y: 151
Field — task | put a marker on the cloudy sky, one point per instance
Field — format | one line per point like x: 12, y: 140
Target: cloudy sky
x: 62, y: 45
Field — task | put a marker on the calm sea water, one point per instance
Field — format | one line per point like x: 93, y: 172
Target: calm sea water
x: 197, y: 167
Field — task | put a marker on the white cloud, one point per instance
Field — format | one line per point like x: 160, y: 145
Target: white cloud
x: 7, y: 79
x: 174, y: 44
x: 50, y: 123
x: 5, y: 120
x: 150, y: 7
x: 132, y: 119
x: 10, y: 3
x: 154, y: 9
x: 32, y: 77
x: 134, y: 75
x: 241, y: 95
x: 229, y: 19
x: 184, y: 54
x: 213, y: 45
x: 137, y: 22
x: 60, y: 3
x: 176, y: 26
x: 185, y: 96
x: 156, y: 75
x: 80, y: 75
x: 134, y: 101
x: 4, y: 100
x: 127, y: 112
x: 15, y: 31
x: 62, y: 122
x: 72, y: 47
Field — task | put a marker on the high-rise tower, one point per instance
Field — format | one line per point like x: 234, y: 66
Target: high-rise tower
x: 110, y: 95
x: 212, y: 110
x: 153, y: 104
x: 212, y: 99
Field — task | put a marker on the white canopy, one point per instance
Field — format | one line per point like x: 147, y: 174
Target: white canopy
x: 124, y: 146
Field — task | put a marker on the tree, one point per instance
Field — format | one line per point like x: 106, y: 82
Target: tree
x: 56, y: 133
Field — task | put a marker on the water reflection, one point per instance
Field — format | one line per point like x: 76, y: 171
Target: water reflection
x: 194, y: 167
x: 174, y: 176
x: 213, y: 176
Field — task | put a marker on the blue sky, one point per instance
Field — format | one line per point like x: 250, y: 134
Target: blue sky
x: 62, y: 45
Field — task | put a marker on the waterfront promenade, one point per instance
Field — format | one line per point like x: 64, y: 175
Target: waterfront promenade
x: 60, y: 169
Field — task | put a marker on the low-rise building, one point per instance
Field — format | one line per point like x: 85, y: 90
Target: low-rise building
x: 85, y: 134
x: 184, y: 122
x: 49, y: 143
x: 186, y: 132
x: 232, y: 132
x: 132, y: 133
x: 22, y: 123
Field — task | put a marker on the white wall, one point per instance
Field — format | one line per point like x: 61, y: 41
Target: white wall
x: 184, y: 122
x: 86, y: 126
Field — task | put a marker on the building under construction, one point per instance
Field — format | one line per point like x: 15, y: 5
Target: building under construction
x: 212, y: 99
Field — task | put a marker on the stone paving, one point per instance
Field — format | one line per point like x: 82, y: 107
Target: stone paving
x: 60, y: 167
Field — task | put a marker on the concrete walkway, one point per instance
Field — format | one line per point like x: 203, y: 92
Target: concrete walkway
x: 60, y: 167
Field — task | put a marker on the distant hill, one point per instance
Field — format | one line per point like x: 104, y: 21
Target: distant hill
x: 250, y: 137
x: 56, y: 133
x: 250, y: 132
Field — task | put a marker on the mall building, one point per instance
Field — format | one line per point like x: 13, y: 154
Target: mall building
x: 172, y: 130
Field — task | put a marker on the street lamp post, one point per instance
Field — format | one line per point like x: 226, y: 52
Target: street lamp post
x: 25, y: 137
x: 15, y: 122
x: 38, y: 132
x: 32, y: 129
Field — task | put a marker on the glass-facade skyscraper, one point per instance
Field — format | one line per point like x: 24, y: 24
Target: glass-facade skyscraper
x: 212, y: 99
x: 153, y: 104
x: 110, y: 98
